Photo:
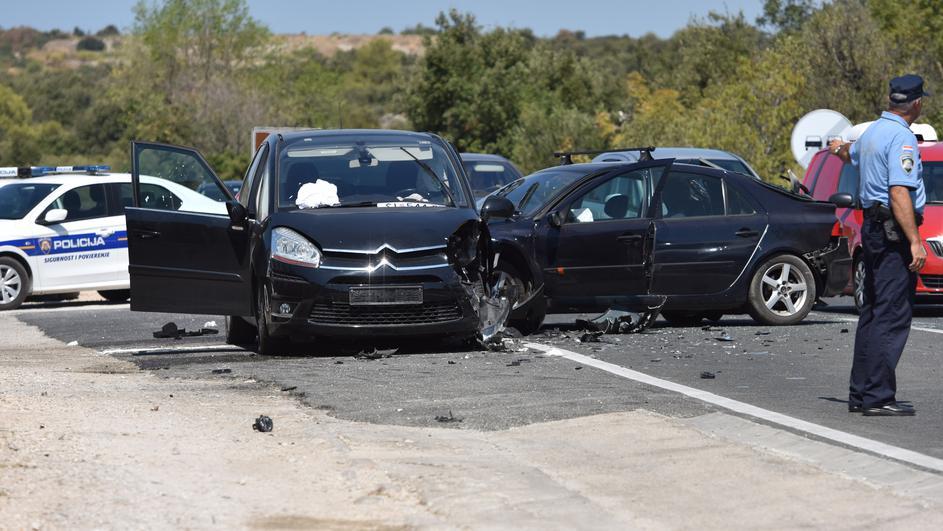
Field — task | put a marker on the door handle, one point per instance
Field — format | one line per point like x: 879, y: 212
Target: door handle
x: 630, y: 238
x: 147, y: 234
x: 746, y: 233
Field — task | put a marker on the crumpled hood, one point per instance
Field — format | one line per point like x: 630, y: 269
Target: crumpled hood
x: 371, y: 227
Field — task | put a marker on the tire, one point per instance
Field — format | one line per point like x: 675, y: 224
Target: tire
x: 239, y: 331
x: 683, y: 318
x: 858, y: 275
x: 537, y: 309
x: 14, y: 283
x: 267, y: 345
x: 116, y: 295
x: 782, y: 291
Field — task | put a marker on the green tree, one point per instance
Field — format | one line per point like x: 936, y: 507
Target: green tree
x: 786, y: 15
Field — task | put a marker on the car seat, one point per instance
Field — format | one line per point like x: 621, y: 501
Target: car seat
x: 72, y: 203
x: 617, y: 206
x: 401, y: 175
x: 99, y: 207
x: 299, y: 174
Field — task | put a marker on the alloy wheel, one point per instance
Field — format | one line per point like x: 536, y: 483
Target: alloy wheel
x: 784, y: 289
x: 10, y: 284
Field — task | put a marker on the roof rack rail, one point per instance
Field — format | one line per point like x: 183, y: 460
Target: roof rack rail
x: 566, y: 157
x: 25, y: 172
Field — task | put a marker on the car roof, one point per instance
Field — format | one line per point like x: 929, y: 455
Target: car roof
x: 483, y: 157
x: 376, y: 133
x: 675, y: 153
x: 73, y: 178
x: 931, y: 151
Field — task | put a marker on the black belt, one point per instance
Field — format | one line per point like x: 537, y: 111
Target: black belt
x: 880, y: 212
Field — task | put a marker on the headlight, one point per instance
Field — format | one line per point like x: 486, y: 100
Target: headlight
x: 292, y: 248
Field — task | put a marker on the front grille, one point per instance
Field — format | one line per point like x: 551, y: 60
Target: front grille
x: 410, y: 314
x: 936, y: 246
x: 932, y: 281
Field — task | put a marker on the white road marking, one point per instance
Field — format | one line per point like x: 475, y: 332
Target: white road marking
x: 855, y: 320
x: 847, y: 439
x: 77, y: 308
x: 168, y: 350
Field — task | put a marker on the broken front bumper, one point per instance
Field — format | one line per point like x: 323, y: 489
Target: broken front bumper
x: 318, y: 303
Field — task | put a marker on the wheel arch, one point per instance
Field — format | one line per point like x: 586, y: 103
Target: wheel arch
x: 22, y: 260
x: 514, y: 256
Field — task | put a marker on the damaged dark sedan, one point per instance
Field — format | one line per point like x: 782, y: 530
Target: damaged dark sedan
x: 700, y: 240
x: 335, y: 233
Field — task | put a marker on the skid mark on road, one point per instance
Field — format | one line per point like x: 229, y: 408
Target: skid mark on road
x: 844, y: 438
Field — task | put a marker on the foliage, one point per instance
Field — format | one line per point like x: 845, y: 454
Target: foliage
x: 91, y: 44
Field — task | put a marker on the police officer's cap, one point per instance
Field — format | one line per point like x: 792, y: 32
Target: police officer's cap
x: 907, y: 88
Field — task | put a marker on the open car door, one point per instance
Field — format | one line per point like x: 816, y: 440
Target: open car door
x: 187, y: 253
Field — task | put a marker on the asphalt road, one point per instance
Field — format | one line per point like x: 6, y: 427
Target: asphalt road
x: 801, y: 371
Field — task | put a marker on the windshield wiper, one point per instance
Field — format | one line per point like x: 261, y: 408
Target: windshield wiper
x: 350, y: 205
x: 430, y: 171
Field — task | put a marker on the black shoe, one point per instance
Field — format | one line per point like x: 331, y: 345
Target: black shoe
x: 855, y: 408
x: 889, y: 410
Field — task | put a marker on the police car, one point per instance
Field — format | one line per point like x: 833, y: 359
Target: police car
x: 62, y: 229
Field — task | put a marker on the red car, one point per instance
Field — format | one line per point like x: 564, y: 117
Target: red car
x: 827, y: 174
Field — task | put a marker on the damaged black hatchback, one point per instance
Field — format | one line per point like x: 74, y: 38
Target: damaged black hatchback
x: 334, y: 233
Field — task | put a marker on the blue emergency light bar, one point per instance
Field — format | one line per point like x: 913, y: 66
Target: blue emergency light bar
x: 25, y: 172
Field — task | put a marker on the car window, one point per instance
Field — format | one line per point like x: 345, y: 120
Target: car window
x: 532, y: 193
x: 932, y: 181
x: 251, y: 174
x: 183, y: 181
x: 688, y: 195
x: 621, y: 197
x: 398, y: 171
x: 84, y: 202
x: 17, y: 199
x: 737, y: 203
x: 152, y: 196
x: 848, y: 180
x: 486, y: 177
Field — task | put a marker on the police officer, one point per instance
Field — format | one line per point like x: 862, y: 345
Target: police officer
x: 892, y: 195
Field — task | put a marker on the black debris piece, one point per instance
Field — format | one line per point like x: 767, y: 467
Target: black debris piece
x: 710, y: 328
x: 616, y: 321
x: 263, y: 424
x: 376, y: 354
x: 292, y: 388
x: 222, y: 371
x: 171, y: 331
x: 451, y: 362
x: 724, y: 338
x: 762, y: 333
x: 449, y: 418
x: 577, y: 368
x: 338, y: 362
x: 655, y: 360
x: 844, y: 331
x: 707, y: 375
x: 589, y: 337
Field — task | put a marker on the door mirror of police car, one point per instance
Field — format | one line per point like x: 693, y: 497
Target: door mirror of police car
x: 237, y: 213
x: 496, y: 208
x: 842, y: 200
x: 56, y: 215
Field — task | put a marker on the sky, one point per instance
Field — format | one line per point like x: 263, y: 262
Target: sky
x: 545, y: 17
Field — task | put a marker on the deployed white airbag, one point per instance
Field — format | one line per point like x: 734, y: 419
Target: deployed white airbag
x: 317, y: 194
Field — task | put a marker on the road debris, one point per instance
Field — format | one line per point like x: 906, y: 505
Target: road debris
x: 589, y: 337
x: 517, y: 362
x: 222, y: 371
x: 724, y: 338
x: 844, y: 331
x: 706, y: 375
x: 286, y: 389
x: 172, y: 331
x: 450, y: 418
x: 72, y: 344
x: 616, y: 321
x: 210, y: 324
x: 263, y: 424
x: 376, y: 354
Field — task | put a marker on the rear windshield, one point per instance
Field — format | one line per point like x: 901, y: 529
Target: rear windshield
x: 396, y: 172
x: 727, y: 164
x: 17, y: 199
x: 485, y: 177
x: 534, y: 191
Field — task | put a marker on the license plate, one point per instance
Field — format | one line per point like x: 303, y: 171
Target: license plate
x: 386, y: 295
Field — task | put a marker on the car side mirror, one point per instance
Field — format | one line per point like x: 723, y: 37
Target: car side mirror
x: 496, y: 208
x: 842, y: 200
x: 56, y: 215
x: 555, y: 219
x: 237, y: 212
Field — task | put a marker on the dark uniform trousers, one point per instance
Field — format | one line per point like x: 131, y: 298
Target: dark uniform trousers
x: 884, y: 322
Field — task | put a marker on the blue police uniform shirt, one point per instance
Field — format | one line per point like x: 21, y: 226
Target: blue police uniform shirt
x: 886, y: 155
